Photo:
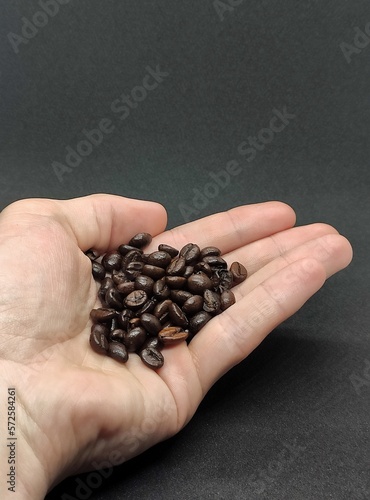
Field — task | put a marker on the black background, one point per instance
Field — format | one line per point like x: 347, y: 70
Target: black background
x: 225, y: 77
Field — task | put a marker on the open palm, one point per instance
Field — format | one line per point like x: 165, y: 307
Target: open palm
x: 77, y: 410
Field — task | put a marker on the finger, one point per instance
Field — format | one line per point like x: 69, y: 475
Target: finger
x: 234, y: 334
x: 98, y: 221
x: 234, y: 228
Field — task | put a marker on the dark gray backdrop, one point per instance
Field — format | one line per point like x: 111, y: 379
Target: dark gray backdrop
x: 292, y: 421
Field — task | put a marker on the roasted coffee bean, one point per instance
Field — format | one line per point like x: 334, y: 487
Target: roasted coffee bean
x: 106, y: 284
x: 188, y: 271
x: 131, y: 256
x: 167, y: 248
x: 92, y: 254
x: 135, y: 299
x: 148, y: 307
x: 206, y: 251
x: 144, y: 283
x: 172, y: 335
x: 180, y: 296
x: 118, y: 351
x: 198, y: 321
x: 114, y: 299
x: 158, y: 258
x: 161, y: 290
x: 99, y: 328
x: 203, y: 266
x: 191, y: 252
x: 193, y: 305
x: 152, y: 342
x: 226, y: 279
x: 140, y: 240
x: 98, y: 271
x: 177, y: 316
x: 175, y: 282
x: 135, y: 338
x: 112, y: 260
x: 119, y: 277
x: 134, y: 269
x: 176, y: 267
x: 152, y: 358
x: 212, y: 302
x: 126, y: 288
x: 118, y: 334
x: 161, y: 308
x: 102, y: 314
x: 198, y: 283
x: 215, y: 261
x: 125, y: 249
x: 99, y: 342
x: 154, y: 272
x: 239, y: 272
x: 227, y: 299
x: 151, y: 323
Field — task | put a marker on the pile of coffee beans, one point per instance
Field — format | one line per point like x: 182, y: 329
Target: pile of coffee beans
x: 157, y: 299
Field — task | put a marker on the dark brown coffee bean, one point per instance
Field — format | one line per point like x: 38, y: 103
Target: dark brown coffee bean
x: 118, y: 351
x: 148, y: 307
x: 227, y: 299
x: 198, y: 321
x: 99, y: 328
x: 102, y: 314
x: 131, y: 256
x: 198, y: 283
x: 118, y: 335
x: 180, y: 296
x: 175, y: 282
x: 167, y: 248
x: 125, y: 249
x: 114, y: 299
x: 161, y: 308
x: 134, y: 269
x: 176, y: 266
x: 98, y: 271
x: 152, y: 358
x: 204, y: 267
x: 153, y: 342
x: 226, y: 279
x: 158, y: 258
x: 140, y: 240
x: 188, y: 271
x: 105, y: 285
x: 144, y: 283
x: 126, y: 288
x: 112, y: 260
x: 154, y: 272
x: 135, y: 338
x: 92, y: 254
x: 215, y: 261
x: 177, y: 316
x: 161, y: 290
x: 172, y: 335
x: 193, y: 305
x: 207, y: 251
x: 239, y: 272
x: 212, y: 302
x: 151, y: 324
x: 191, y: 252
x: 99, y: 342
x: 135, y: 299
x: 119, y: 277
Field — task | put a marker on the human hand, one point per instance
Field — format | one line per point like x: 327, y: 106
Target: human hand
x: 77, y: 410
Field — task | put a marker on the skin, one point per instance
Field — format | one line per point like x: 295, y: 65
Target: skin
x: 76, y: 409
